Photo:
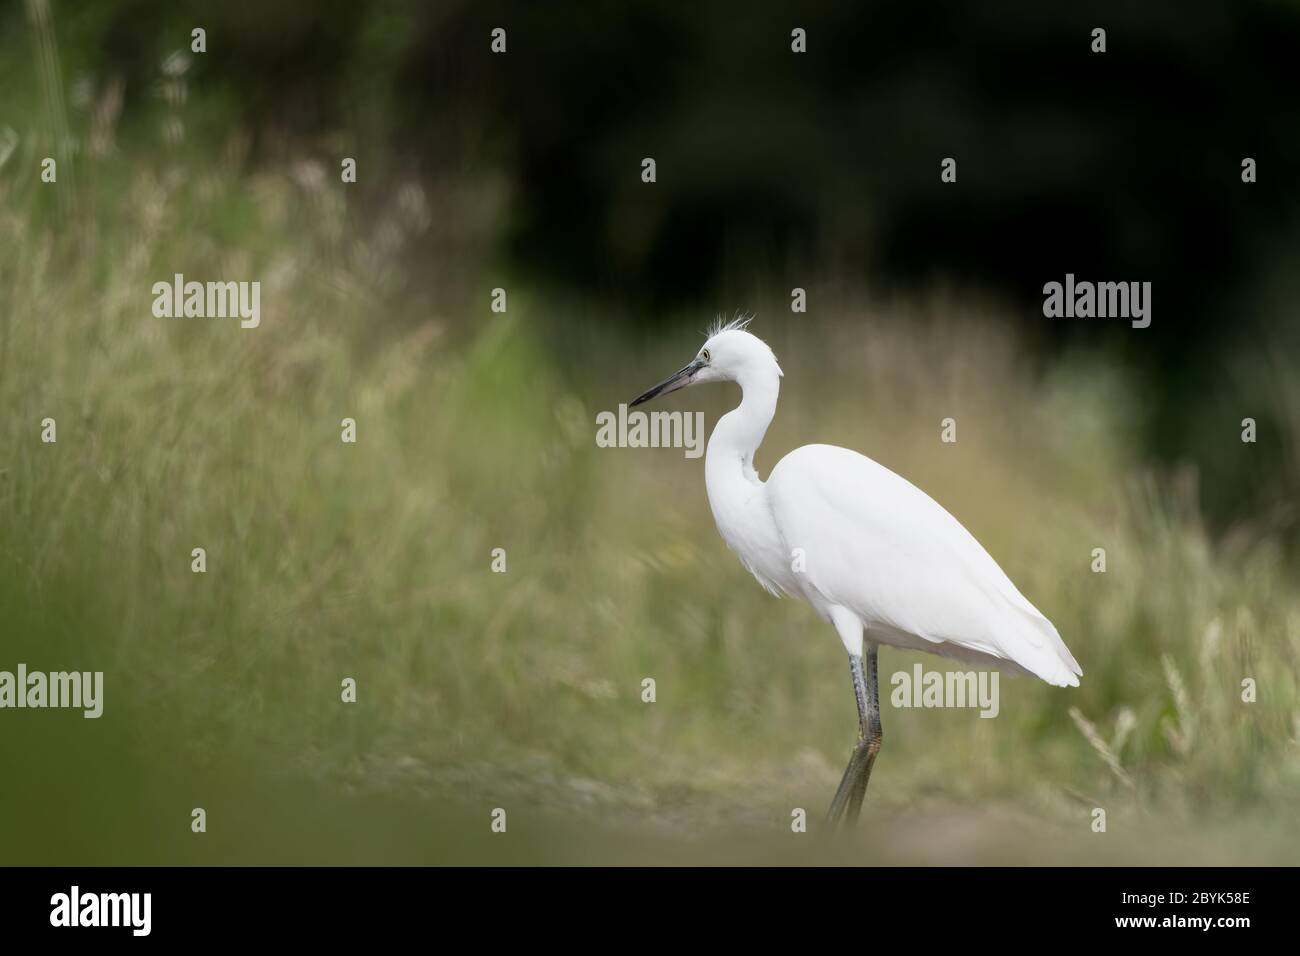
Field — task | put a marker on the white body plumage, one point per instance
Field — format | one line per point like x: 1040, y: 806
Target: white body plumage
x: 867, y: 549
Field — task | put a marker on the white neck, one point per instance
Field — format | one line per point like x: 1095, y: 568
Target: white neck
x: 736, y: 495
x: 739, y: 432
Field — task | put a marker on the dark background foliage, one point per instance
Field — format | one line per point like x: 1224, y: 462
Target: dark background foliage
x: 824, y: 168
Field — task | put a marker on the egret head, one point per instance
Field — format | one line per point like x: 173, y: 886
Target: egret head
x: 730, y: 354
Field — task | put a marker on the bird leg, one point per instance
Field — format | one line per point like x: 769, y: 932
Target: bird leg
x: 869, y: 729
x: 853, y: 785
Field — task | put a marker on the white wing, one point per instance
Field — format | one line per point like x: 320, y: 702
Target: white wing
x: 879, y: 546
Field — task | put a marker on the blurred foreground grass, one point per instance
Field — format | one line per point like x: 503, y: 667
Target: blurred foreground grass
x: 522, y: 690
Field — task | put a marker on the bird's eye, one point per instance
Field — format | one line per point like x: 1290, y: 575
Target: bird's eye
x: 705, y: 355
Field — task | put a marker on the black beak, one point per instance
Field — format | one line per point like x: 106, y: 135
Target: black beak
x: 679, y: 379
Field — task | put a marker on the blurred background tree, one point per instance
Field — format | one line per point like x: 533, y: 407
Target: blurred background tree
x: 781, y: 169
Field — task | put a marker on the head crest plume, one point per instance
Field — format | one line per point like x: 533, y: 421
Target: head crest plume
x: 739, y: 321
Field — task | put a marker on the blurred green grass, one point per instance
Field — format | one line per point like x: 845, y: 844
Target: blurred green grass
x: 522, y: 690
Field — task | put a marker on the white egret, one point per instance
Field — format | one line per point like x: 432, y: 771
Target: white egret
x: 880, y: 560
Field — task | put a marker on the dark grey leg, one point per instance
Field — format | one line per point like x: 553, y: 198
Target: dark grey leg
x: 853, y: 785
